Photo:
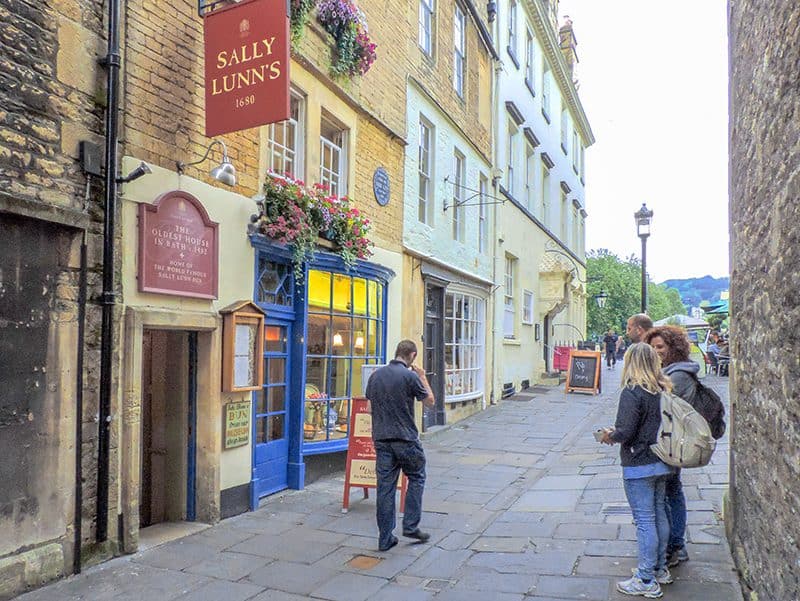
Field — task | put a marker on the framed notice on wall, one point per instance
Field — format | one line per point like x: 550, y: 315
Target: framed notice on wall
x: 583, y: 373
x: 237, y: 424
x: 242, y: 347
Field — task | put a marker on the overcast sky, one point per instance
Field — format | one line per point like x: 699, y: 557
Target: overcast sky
x: 653, y: 81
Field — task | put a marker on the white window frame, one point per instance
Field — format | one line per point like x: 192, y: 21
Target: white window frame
x: 513, y: 131
x: 576, y: 231
x: 575, y: 151
x: 459, y: 50
x: 483, y: 213
x: 459, y: 197
x: 509, y: 314
x: 546, y: 90
x: 464, y: 344
x: 530, y: 176
x: 582, y: 166
x: 527, y: 307
x: 288, y: 153
x: 545, y: 195
x: 425, y: 36
x: 512, y: 28
x: 530, y: 71
x: 333, y: 172
x: 425, y: 171
x: 564, y: 218
x: 564, y: 130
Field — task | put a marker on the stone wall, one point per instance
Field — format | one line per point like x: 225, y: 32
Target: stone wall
x: 762, y: 516
x: 51, y: 97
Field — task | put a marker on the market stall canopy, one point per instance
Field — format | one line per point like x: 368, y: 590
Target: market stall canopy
x: 718, y: 308
x: 690, y: 323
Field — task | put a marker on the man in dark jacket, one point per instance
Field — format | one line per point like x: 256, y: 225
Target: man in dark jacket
x: 610, y: 342
x: 391, y: 391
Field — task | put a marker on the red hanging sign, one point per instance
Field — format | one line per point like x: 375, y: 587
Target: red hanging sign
x: 247, y: 66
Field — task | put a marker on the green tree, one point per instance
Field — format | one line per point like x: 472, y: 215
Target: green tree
x: 621, y: 280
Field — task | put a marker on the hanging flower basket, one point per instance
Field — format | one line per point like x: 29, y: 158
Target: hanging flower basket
x: 303, y: 218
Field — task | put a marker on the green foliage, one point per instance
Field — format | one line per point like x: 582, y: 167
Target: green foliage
x: 621, y: 279
x: 300, y: 11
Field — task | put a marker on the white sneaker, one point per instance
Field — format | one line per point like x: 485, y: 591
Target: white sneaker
x: 662, y: 576
x: 635, y: 586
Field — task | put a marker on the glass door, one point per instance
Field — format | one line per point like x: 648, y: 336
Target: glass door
x: 270, y: 419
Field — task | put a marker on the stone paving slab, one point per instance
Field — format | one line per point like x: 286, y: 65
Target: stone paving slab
x: 521, y: 502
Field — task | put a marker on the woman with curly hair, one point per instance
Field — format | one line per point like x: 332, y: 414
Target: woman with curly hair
x: 673, y: 347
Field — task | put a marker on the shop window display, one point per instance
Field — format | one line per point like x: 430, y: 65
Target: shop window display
x: 345, y: 330
x: 463, y: 346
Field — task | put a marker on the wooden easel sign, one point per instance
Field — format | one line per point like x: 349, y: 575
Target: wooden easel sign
x: 583, y: 374
x: 360, y: 470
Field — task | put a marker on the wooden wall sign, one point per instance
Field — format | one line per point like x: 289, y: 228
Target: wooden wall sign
x: 178, y: 247
x: 246, y: 65
x: 242, y: 347
x: 237, y: 424
x: 583, y: 374
x: 360, y: 470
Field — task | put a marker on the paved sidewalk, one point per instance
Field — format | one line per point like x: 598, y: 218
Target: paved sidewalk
x: 522, y: 503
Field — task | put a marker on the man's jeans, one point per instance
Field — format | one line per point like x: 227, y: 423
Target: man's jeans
x: 676, y: 512
x: 646, y: 496
x: 392, y: 456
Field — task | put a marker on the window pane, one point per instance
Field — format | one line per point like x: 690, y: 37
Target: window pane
x: 372, y: 298
x: 274, y: 339
x: 372, y: 337
x: 359, y: 296
x: 355, y: 381
x: 359, y: 337
x: 276, y: 396
x: 275, y: 426
x: 316, y: 378
x: 342, y: 335
x: 314, y: 425
x: 342, y: 299
x: 340, y: 376
x: 276, y: 370
x: 318, y: 338
x: 261, y: 430
x: 319, y: 289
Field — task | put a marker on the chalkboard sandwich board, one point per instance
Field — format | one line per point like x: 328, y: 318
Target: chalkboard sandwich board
x: 583, y: 374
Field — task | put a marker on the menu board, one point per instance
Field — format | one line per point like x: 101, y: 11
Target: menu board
x: 237, y: 424
x: 360, y: 470
x: 583, y: 374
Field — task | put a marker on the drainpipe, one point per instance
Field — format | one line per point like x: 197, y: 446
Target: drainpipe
x: 498, y: 66
x: 107, y: 298
x: 76, y: 557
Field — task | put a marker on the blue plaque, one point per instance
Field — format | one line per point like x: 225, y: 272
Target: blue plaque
x: 380, y: 186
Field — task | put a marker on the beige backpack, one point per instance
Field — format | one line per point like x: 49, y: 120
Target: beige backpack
x: 684, y: 437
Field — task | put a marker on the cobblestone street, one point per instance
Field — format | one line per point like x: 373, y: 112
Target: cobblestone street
x: 522, y: 503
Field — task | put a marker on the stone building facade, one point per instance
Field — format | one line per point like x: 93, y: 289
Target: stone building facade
x: 761, y: 516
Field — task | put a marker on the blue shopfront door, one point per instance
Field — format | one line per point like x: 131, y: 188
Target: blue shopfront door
x: 270, y: 417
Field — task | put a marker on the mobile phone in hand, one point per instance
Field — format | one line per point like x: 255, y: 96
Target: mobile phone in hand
x: 598, y: 435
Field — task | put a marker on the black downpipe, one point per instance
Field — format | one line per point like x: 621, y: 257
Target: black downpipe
x: 107, y: 299
x: 76, y: 557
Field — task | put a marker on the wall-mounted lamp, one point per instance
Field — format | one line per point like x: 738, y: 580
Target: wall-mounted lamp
x: 142, y: 169
x: 359, y: 342
x: 491, y: 11
x: 337, y: 340
x: 225, y: 172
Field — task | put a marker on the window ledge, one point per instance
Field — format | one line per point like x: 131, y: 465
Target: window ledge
x: 512, y: 341
x: 513, y: 56
x: 545, y: 115
x: 529, y: 85
x: 469, y: 396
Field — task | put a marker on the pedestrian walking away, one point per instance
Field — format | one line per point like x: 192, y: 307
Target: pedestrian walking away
x: 391, y: 391
x: 644, y: 474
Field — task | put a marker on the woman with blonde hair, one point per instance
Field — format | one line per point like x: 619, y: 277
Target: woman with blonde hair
x: 644, y: 474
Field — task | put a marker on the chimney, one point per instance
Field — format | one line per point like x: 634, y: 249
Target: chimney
x: 568, y: 42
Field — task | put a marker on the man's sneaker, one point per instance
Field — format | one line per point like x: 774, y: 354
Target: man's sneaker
x: 392, y: 542
x: 635, y: 586
x: 418, y: 534
x: 662, y: 576
x: 677, y: 556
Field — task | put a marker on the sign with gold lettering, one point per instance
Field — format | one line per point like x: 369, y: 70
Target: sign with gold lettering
x: 237, y: 424
x: 247, y: 66
x: 178, y: 247
x: 360, y: 467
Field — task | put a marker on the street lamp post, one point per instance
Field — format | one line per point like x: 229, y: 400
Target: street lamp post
x: 643, y: 217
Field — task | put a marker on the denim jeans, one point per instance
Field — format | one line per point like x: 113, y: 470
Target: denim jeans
x: 391, y: 457
x: 676, y: 512
x: 646, y: 496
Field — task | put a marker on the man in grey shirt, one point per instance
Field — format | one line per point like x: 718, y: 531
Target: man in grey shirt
x: 391, y: 391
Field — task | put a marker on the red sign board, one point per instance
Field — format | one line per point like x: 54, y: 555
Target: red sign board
x: 360, y: 470
x: 178, y: 247
x: 247, y: 66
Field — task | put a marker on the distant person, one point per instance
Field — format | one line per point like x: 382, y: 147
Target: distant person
x: 637, y: 327
x: 673, y: 348
x: 621, y: 346
x: 644, y: 474
x: 610, y: 344
x: 391, y: 391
